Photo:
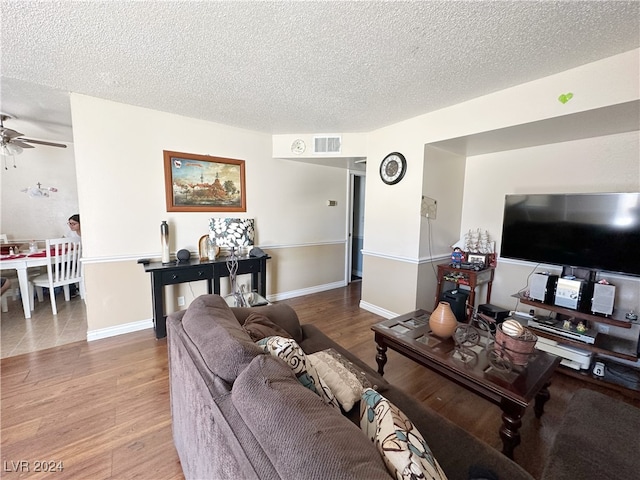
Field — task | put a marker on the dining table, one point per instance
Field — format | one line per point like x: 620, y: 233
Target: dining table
x: 20, y: 263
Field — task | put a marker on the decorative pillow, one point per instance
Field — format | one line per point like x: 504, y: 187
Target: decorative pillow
x: 288, y: 350
x: 403, y: 449
x: 346, y: 383
x: 259, y: 326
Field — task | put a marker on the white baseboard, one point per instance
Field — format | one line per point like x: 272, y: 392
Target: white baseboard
x: 144, y: 324
x: 119, y: 329
x: 305, y: 291
x: 377, y: 310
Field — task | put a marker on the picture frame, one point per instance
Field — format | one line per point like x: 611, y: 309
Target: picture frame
x: 477, y: 258
x: 202, y: 183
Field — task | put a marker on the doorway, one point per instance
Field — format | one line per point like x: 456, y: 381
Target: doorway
x: 356, y: 226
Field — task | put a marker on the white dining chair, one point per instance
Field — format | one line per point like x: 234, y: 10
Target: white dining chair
x: 3, y: 297
x: 11, y: 275
x: 63, y: 268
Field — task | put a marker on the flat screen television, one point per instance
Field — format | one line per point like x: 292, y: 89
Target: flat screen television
x: 596, y: 231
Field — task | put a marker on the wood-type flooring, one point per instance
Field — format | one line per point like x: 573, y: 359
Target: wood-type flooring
x: 100, y: 410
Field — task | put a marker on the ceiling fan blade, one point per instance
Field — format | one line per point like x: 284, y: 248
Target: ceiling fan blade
x: 8, y: 133
x: 41, y: 142
x: 20, y: 143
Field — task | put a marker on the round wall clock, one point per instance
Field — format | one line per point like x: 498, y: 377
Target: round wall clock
x: 393, y: 168
x: 298, y: 147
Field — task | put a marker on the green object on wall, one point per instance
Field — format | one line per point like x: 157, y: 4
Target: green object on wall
x: 565, y: 97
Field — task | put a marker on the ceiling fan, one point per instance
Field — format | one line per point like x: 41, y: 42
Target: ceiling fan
x: 12, y: 142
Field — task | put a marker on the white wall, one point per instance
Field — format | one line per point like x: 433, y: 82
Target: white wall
x: 118, y: 151
x: 121, y: 191
x: 121, y: 181
x: 25, y: 218
x: 600, y: 164
x: 444, y: 174
x: 393, y: 229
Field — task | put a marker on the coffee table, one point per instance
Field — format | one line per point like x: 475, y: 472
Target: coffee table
x: 513, y: 390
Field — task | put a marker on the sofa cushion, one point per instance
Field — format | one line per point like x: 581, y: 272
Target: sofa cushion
x: 225, y: 347
x: 344, y: 380
x: 280, y: 313
x: 403, y: 449
x: 258, y: 326
x: 302, y: 436
x: 288, y: 350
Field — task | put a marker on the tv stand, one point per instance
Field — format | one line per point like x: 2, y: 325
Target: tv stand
x: 605, y: 344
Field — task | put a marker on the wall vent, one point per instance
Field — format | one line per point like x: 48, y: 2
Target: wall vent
x: 327, y: 144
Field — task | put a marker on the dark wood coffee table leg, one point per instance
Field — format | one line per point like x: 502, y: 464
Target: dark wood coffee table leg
x: 511, y: 423
x: 541, y: 398
x: 381, y: 356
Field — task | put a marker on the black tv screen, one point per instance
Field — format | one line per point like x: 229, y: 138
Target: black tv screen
x: 597, y: 231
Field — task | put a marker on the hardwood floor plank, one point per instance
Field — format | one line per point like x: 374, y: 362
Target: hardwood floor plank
x: 20, y: 431
x: 103, y: 407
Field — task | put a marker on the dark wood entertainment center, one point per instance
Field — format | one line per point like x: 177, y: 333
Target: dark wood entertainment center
x: 605, y: 344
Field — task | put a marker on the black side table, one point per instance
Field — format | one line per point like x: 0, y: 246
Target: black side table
x: 194, y: 270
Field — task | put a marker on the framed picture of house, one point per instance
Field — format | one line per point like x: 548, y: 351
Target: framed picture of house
x: 477, y: 258
x: 201, y: 183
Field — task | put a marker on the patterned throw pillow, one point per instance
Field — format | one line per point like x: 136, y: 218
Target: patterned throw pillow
x: 403, y: 449
x: 288, y: 350
x: 344, y: 380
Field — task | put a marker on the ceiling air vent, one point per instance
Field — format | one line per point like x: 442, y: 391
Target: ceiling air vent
x: 327, y: 144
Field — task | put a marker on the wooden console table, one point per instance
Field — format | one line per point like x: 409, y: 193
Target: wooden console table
x: 471, y: 278
x: 194, y: 270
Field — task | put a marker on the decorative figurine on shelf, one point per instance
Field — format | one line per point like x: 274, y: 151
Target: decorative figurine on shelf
x: 457, y: 256
x: 478, y: 241
x: 581, y: 328
x: 471, y: 240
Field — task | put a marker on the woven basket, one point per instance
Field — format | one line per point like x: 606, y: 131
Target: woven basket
x: 519, y: 348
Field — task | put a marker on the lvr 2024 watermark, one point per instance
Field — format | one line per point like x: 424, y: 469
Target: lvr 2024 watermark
x: 32, y: 466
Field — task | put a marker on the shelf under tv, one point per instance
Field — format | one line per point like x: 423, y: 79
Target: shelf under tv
x: 630, y: 389
x: 617, y: 322
x: 604, y: 344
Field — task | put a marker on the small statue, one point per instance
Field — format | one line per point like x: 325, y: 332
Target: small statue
x: 457, y: 256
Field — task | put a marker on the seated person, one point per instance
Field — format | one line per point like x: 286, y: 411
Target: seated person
x: 5, y: 285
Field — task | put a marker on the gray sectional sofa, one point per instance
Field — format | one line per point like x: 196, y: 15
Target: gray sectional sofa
x: 240, y: 413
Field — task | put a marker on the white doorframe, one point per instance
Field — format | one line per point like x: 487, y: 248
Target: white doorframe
x: 349, y: 222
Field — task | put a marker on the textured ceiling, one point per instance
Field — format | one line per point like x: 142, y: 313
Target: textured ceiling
x: 295, y: 67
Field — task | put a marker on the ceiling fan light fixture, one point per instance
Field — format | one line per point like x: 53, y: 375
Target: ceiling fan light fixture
x: 9, y: 150
x: 13, y: 143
